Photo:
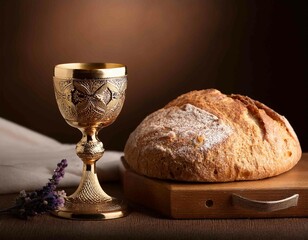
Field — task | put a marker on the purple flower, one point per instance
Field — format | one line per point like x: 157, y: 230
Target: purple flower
x: 43, y: 200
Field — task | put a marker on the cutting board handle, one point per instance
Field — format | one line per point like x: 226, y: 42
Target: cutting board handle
x: 265, y: 206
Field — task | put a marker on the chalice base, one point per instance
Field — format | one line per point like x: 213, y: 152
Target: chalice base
x: 90, y: 202
x: 108, y: 209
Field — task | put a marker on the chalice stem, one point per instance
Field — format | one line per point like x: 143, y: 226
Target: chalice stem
x: 90, y: 149
x: 89, y: 190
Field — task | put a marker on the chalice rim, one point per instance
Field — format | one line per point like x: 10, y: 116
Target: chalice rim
x: 90, y: 70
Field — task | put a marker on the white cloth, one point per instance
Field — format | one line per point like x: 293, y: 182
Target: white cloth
x: 28, y: 158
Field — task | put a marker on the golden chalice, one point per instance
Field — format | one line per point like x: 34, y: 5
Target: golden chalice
x: 90, y: 96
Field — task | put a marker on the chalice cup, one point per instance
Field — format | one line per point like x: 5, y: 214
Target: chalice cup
x: 90, y: 96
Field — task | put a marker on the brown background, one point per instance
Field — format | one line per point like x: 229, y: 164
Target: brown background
x: 254, y: 48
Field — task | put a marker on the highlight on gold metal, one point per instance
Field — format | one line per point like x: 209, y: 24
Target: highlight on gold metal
x: 90, y: 70
x: 90, y: 96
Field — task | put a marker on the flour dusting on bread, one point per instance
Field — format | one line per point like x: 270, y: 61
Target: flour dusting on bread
x: 187, y: 122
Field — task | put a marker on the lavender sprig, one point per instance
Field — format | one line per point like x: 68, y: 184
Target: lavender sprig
x: 43, y: 200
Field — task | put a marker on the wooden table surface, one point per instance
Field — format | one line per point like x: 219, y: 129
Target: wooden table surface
x: 143, y: 223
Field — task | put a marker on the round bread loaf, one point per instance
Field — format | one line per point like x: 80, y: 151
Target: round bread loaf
x: 207, y: 136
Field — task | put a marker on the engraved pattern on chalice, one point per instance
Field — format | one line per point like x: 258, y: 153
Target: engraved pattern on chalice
x: 90, y: 98
x: 63, y: 91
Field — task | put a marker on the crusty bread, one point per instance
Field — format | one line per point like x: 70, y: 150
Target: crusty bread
x: 207, y: 136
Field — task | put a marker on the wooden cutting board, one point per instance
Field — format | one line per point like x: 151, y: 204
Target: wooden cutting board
x: 285, y: 195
